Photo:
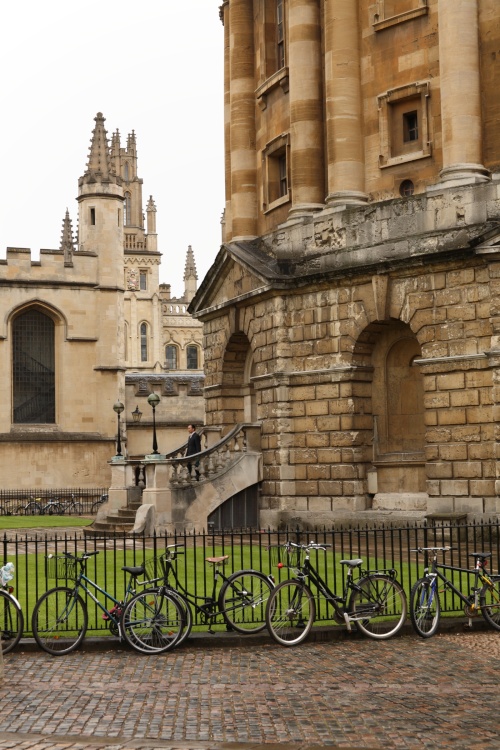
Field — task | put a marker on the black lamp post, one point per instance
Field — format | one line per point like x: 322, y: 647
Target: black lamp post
x: 118, y: 408
x: 154, y: 400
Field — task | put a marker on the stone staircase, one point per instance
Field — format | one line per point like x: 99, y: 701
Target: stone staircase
x: 118, y: 523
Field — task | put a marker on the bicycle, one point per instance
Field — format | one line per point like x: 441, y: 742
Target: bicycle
x: 425, y: 605
x: 70, y: 505
x: 11, y: 614
x: 32, y: 508
x: 240, y: 602
x: 60, y: 616
x: 375, y: 602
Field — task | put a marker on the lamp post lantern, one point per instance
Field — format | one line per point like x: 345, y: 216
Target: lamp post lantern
x: 136, y: 414
x: 118, y: 408
x: 154, y: 400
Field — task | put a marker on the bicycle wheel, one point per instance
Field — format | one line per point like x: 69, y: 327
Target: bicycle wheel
x: 75, y: 509
x: 187, y: 615
x: 59, y: 621
x: 290, y: 613
x: 243, y: 599
x: 32, y: 509
x: 489, y: 599
x: 425, y: 608
x: 152, y: 622
x: 378, y: 605
x: 11, y: 622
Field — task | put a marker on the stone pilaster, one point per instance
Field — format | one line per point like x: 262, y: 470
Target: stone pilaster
x: 242, y: 121
x: 224, y: 15
x: 460, y: 92
x: 344, y: 136
x: 306, y: 112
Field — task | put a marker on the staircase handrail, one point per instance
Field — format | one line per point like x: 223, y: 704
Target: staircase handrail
x: 210, y: 461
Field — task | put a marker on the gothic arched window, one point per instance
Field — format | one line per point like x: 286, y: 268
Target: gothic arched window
x: 127, y: 218
x: 171, y: 357
x: 192, y: 357
x: 144, y: 342
x: 33, y: 368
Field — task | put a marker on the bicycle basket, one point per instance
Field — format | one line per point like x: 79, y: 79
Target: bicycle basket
x: 155, y: 568
x: 286, y: 555
x: 61, y: 567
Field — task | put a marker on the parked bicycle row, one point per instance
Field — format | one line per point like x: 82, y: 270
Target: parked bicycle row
x: 52, y: 506
x: 156, y: 611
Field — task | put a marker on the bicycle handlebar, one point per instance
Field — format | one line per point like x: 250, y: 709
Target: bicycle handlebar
x: 311, y: 545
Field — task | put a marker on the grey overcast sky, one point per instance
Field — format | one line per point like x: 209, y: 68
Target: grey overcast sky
x: 155, y: 68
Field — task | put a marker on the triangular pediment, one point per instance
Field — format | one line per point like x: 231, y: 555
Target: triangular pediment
x: 240, y: 269
x: 489, y: 246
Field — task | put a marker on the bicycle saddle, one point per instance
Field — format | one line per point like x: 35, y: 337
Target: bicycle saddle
x: 216, y: 560
x: 479, y: 554
x: 133, y: 571
x: 352, y: 563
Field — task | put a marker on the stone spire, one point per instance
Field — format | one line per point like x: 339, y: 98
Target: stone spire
x: 67, y: 240
x: 99, y: 163
x: 190, y: 275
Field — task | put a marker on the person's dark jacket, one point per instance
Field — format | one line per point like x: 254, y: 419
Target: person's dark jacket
x: 194, y: 444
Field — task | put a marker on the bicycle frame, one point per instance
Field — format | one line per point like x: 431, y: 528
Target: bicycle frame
x: 434, y: 572
x: 339, y: 603
x: 113, y: 614
x: 209, y: 609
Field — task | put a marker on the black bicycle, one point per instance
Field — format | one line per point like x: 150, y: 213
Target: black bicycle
x: 60, y: 616
x: 241, y: 601
x: 375, y: 602
x: 483, y: 597
x: 11, y: 614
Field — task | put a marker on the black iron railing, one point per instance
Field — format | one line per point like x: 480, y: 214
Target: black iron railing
x: 379, y: 547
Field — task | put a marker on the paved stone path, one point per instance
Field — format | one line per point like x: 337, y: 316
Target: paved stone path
x: 351, y: 693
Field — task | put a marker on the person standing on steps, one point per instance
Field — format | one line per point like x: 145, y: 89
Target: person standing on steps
x: 193, y: 446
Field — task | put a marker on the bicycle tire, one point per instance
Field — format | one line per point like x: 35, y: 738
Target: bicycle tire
x: 152, y: 621
x: 187, y: 615
x: 59, y: 621
x: 32, y: 509
x: 383, y: 601
x: 243, y: 599
x: 76, y: 509
x: 425, y: 608
x: 290, y: 613
x: 11, y: 622
x: 489, y: 600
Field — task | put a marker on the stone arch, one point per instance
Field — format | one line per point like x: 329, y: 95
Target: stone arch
x: 237, y: 389
x: 388, y: 349
x: 34, y: 357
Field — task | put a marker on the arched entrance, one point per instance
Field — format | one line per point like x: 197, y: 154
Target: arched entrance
x: 398, y: 475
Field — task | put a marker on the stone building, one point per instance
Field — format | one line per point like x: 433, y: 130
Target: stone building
x: 353, y: 309
x: 84, y: 327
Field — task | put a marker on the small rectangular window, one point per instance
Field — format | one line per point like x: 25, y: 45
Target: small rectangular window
x: 92, y: 216
x: 280, y: 34
x: 143, y: 280
x: 410, y: 126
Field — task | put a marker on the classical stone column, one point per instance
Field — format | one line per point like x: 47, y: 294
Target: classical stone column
x: 460, y: 92
x: 242, y: 127
x: 344, y: 134
x: 224, y: 16
x: 306, y: 114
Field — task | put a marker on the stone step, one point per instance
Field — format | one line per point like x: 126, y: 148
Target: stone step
x: 120, y: 522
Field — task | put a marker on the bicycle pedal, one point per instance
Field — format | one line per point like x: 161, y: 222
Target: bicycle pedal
x: 347, y: 621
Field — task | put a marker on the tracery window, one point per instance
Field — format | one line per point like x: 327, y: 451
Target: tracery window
x: 33, y: 368
x: 171, y: 352
x: 144, y: 342
x: 192, y: 357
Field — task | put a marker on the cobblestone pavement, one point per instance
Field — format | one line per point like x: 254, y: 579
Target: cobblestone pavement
x: 351, y: 693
